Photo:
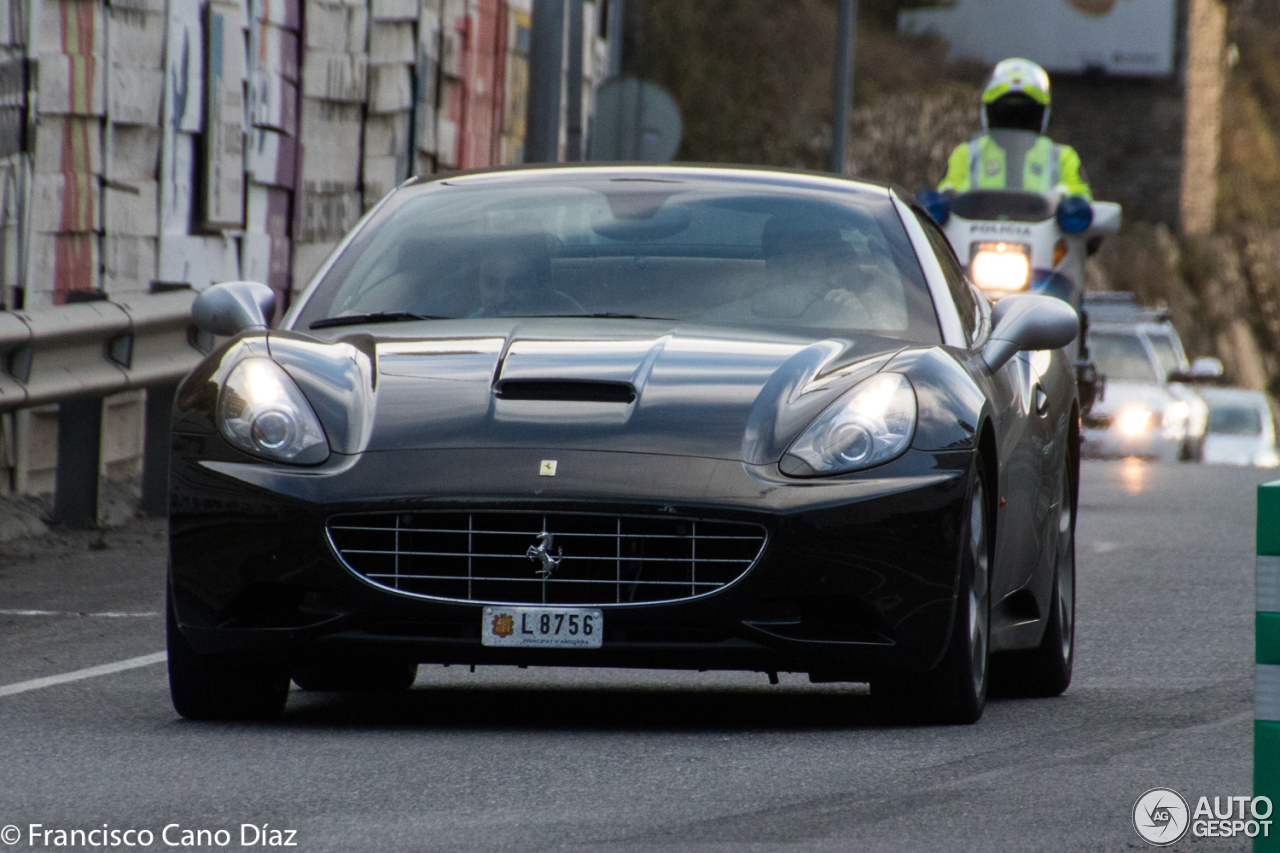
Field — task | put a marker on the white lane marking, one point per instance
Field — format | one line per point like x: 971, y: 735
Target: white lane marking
x: 109, y: 614
x: 1104, y: 547
x: 79, y: 674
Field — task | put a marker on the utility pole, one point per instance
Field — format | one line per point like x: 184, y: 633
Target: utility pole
x: 842, y: 84
x: 617, y: 8
x: 573, y: 117
x: 546, y: 50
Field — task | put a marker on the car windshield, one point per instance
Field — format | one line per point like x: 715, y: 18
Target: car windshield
x: 1122, y: 357
x: 1234, y: 419
x: 708, y: 250
x: 1168, y: 352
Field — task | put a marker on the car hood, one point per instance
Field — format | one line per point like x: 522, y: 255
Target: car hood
x: 1119, y: 396
x: 638, y: 386
x: 1233, y: 449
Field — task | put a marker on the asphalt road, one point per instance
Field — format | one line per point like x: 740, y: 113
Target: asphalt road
x: 532, y: 760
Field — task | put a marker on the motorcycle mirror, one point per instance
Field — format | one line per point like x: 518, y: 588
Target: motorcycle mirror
x: 936, y: 204
x: 1075, y: 214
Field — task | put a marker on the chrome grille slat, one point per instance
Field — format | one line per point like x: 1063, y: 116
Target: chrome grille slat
x: 485, y: 555
x: 533, y: 533
x: 523, y: 557
x: 537, y: 580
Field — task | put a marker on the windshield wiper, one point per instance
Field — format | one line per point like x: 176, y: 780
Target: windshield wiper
x: 375, y: 317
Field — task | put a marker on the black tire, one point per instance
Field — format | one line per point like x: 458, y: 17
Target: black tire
x: 955, y: 691
x: 206, y: 687
x: 361, y: 676
x: 1046, y: 669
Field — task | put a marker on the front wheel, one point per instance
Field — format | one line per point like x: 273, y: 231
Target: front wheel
x: 208, y: 687
x: 955, y: 691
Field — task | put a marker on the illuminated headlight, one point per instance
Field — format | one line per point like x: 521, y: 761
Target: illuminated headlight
x: 1001, y: 266
x: 871, y: 424
x: 263, y: 412
x: 1267, y: 459
x: 1175, y: 419
x: 1134, y: 420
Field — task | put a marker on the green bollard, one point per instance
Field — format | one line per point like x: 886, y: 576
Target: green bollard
x: 1266, y: 705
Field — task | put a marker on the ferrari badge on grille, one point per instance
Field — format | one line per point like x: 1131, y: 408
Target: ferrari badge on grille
x: 504, y: 624
x: 548, y: 468
x: 541, y: 554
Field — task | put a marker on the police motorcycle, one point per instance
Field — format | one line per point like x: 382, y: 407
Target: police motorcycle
x: 1017, y: 241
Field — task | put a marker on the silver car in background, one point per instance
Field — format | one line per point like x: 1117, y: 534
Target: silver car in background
x: 1241, y: 430
x: 1147, y: 409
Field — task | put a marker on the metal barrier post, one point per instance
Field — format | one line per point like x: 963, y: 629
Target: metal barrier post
x: 1266, y: 709
x: 75, y: 500
x: 155, y: 450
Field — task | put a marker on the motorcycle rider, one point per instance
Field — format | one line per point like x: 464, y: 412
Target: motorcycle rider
x: 1012, y: 152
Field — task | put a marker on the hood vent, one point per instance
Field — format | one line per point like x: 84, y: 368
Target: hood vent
x: 573, y: 390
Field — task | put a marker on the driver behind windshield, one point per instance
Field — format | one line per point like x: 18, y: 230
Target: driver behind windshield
x: 814, y: 276
x: 513, y: 280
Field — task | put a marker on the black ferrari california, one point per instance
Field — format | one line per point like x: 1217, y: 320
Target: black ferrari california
x: 664, y: 417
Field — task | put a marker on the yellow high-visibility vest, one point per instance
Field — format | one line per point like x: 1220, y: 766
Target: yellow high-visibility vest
x: 983, y: 163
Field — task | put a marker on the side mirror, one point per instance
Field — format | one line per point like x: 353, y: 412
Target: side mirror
x: 1025, y: 323
x: 1207, y: 367
x: 1204, y: 369
x: 233, y: 306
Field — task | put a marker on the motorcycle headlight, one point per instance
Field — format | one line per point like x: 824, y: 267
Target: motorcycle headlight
x: 1001, y: 267
x: 871, y: 424
x: 262, y: 411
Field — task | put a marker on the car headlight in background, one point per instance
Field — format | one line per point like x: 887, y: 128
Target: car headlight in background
x: 262, y: 411
x: 1175, y: 419
x: 1134, y: 420
x: 871, y: 424
x: 1004, y: 267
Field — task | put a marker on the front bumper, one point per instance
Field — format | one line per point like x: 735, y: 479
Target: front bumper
x: 1148, y: 444
x: 859, y: 573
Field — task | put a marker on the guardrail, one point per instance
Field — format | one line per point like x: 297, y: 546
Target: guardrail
x: 76, y: 355
x: 1266, y: 701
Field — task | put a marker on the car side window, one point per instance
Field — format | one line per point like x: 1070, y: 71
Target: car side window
x: 963, y: 296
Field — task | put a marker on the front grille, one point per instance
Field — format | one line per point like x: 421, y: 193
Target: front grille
x: 494, y: 556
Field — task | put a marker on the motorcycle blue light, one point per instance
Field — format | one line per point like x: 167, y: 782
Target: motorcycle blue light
x: 1075, y: 214
x: 936, y: 204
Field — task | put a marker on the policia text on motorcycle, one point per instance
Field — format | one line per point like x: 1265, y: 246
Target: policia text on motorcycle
x: 1012, y: 152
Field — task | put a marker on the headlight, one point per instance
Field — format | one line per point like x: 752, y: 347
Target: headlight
x: 1267, y: 459
x: 1134, y: 420
x: 1175, y: 419
x: 1000, y: 266
x: 262, y: 411
x: 871, y: 424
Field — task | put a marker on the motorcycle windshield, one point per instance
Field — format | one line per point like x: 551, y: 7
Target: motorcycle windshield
x: 1010, y: 205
